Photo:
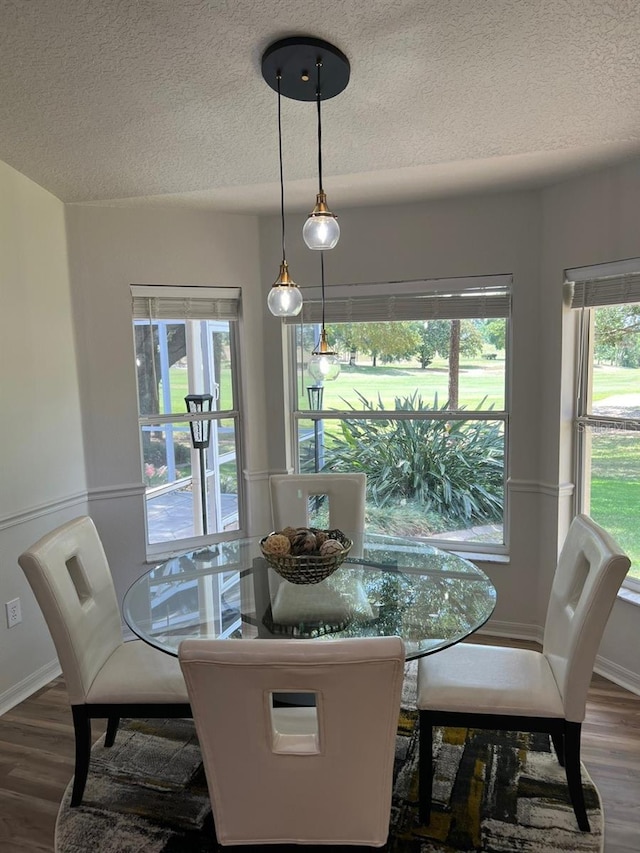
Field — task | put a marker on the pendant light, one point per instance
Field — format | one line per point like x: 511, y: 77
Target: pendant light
x: 285, y: 298
x: 287, y: 67
x: 321, y: 230
x: 324, y: 364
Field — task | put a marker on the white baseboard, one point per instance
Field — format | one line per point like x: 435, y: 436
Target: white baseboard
x: 608, y: 669
x: 618, y: 674
x: 512, y: 630
x: 23, y: 689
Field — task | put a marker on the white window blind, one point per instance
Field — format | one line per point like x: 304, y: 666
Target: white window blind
x: 185, y: 303
x: 441, y: 299
x: 607, y: 284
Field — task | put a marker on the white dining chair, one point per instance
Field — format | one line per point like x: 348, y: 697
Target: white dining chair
x: 346, y: 493
x: 105, y: 677
x: 319, y: 774
x: 494, y: 687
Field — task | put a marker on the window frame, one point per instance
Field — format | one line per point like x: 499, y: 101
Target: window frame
x: 408, y: 289
x: 195, y: 297
x: 580, y: 286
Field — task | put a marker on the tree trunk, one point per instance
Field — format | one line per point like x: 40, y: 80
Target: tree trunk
x: 147, y: 353
x: 146, y: 344
x: 352, y: 358
x: 454, y: 363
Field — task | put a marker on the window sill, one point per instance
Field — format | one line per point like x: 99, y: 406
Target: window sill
x: 494, y: 559
x: 629, y: 595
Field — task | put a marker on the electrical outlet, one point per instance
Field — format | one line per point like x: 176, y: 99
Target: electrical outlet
x: 14, y: 612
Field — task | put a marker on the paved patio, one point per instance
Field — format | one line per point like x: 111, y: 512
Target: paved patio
x: 170, y: 517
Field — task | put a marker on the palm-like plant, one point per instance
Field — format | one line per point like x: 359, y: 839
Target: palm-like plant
x: 453, y: 467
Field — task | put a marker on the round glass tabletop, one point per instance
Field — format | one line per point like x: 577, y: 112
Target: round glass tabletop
x: 387, y: 586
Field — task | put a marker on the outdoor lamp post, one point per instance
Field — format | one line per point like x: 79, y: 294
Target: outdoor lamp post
x: 314, y: 392
x: 200, y: 437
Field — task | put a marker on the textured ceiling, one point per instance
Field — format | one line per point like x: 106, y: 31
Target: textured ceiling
x: 122, y: 100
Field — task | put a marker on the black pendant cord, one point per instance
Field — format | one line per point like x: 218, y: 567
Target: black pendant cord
x: 279, y: 77
x: 322, y: 285
x: 318, y: 102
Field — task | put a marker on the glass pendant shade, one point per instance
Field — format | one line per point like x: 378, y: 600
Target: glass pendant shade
x: 324, y: 365
x: 321, y: 230
x: 285, y: 298
x: 324, y: 368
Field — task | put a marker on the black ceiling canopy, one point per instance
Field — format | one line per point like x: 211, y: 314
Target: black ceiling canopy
x: 295, y: 61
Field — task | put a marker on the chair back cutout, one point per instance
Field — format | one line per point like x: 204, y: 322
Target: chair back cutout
x: 346, y: 493
x: 297, y: 775
x: 68, y: 572
x: 590, y: 571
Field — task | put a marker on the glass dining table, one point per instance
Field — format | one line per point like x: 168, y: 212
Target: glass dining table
x: 387, y: 586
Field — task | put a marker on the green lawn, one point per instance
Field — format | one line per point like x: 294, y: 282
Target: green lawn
x: 609, y: 381
x: 615, y: 490
x: 179, y: 389
x: 481, y: 381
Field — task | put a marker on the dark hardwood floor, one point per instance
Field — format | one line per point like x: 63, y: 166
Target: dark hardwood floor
x: 36, y: 764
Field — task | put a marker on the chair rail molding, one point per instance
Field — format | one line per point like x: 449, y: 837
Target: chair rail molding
x: 559, y: 490
x: 122, y: 490
x: 47, y: 508
x: 255, y: 476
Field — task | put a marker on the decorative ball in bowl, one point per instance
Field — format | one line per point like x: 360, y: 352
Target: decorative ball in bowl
x: 305, y: 554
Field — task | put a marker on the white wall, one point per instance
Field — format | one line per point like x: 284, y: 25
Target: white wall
x: 480, y: 235
x: 41, y: 448
x: 532, y: 235
x: 589, y: 220
x: 535, y: 236
x: 109, y: 250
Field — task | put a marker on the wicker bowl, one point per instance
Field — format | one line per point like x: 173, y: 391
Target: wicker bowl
x: 308, y: 568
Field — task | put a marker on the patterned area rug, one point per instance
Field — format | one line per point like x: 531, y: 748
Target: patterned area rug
x: 493, y: 792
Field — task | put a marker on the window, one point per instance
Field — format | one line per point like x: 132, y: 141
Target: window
x: 185, y: 344
x: 420, y: 405
x: 608, y: 401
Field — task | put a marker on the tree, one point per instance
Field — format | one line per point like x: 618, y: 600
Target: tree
x: 309, y: 336
x: 494, y: 331
x: 148, y: 361
x: 388, y: 341
x: 471, y: 340
x: 465, y: 338
x: 393, y: 342
x: 454, y: 363
x: 449, y: 339
x: 617, y: 335
x: 434, y: 340
x: 220, y: 345
x: 347, y: 337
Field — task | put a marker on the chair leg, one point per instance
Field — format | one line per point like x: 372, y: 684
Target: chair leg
x: 425, y: 768
x: 558, y: 745
x: 112, y: 728
x: 82, y: 728
x: 572, y: 769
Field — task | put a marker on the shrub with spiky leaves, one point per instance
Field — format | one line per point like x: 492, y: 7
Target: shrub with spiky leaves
x: 454, y: 468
